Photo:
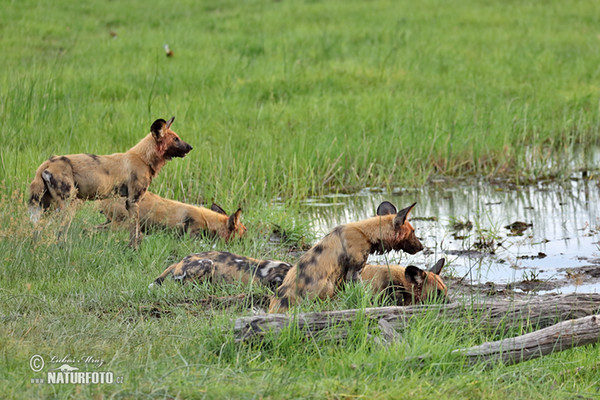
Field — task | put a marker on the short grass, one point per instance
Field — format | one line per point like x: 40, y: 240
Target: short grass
x: 281, y: 100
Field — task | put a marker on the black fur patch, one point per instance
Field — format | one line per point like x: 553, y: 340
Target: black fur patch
x: 225, y: 257
x: 157, y: 126
x: 178, y: 149
x: 187, y: 221
x: 66, y: 160
x: 122, y: 190
x: 94, y: 157
x: 284, y: 302
x: 138, y: 195
x: 349, y: 264
x: 281, y: 292
x: 53, y: 181
x: 386, y: 208
x: 318, y: 249
x: 64, y: 190
x: 216, y: 208
x: 302, y: 264
x: 379, y: 247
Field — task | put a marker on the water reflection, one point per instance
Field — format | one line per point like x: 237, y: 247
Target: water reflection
x: 564, y: 234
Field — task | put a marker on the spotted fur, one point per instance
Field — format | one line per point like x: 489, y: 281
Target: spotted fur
x: 158, y: 212
x: 88, y: 176
x: 406, y: 286
x: 342, y: 254
x: 227, y: 267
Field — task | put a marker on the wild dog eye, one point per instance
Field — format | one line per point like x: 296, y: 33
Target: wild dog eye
x: 176, y: 139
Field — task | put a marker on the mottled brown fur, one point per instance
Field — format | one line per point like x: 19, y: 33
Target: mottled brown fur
x: 158, y: 212
x: 88, y: 176
x: 342, y: 254
x: 406, y: 286
x: 227, y: 267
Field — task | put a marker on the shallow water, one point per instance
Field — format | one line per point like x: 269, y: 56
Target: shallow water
x: 562, y: 240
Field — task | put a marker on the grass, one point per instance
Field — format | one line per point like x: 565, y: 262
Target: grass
x: 281, y: 100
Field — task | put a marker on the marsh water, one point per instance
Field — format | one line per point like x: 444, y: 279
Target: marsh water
x: 553, y: 245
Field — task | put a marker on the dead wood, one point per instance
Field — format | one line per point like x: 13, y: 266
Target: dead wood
x: 559, y: 337
x: 497, y: 315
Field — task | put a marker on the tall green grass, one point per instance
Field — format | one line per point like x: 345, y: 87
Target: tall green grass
x: 281, y: 100
x: 296, y: 98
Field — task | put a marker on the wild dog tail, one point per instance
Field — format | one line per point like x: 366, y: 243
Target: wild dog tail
x: 158, y: 281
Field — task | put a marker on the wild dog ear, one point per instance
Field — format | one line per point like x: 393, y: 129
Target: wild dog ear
x: 402, y: 215
x: 216, y: 208
x: 157, y: 128
x: 386, y: 208
x: 415, y: 275
x: 437, y: 268
x: 169, y: 122
x: 234, y: 219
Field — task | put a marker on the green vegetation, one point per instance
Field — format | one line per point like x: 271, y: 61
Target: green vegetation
x: 281, y: 100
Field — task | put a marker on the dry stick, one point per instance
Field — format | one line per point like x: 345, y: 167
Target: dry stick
x: 559, y: 337
x: 542, y: 311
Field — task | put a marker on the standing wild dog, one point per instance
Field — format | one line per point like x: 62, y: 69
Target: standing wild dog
x: 158, y: 212
x: 88, y: 176
x: 406, y: 286
x: 228, y: 267
x: 343, y: 253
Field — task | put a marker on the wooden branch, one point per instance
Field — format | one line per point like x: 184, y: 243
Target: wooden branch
x: 499, y: 315
x: 559, y: 337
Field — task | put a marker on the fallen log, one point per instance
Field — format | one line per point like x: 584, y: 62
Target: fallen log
x: 559, y: 337
x: 541, y: 312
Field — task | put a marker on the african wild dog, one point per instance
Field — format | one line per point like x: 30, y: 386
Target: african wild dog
x: 406, y: 286
x: 88, y: 176
x: 343, y: 253
x: 228, y: 267
x: 158, y: 212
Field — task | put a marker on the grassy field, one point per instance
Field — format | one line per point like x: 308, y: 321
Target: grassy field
x: 281, y: 100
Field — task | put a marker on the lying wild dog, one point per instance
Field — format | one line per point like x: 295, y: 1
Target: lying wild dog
x: 88, y: 176
x: 158, y: 212
x: 228, y: 267
x: 343, y: 253
x: 406, y: 286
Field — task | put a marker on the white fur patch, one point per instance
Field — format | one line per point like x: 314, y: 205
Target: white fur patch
x: 180, y: 277
x: 46, y: 176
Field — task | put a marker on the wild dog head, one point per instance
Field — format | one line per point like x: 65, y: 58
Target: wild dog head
x: 168, y: 142
x: 427, y: 285
x: 273, y: 272
x: 394, y: 232
x: 234, y: 227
